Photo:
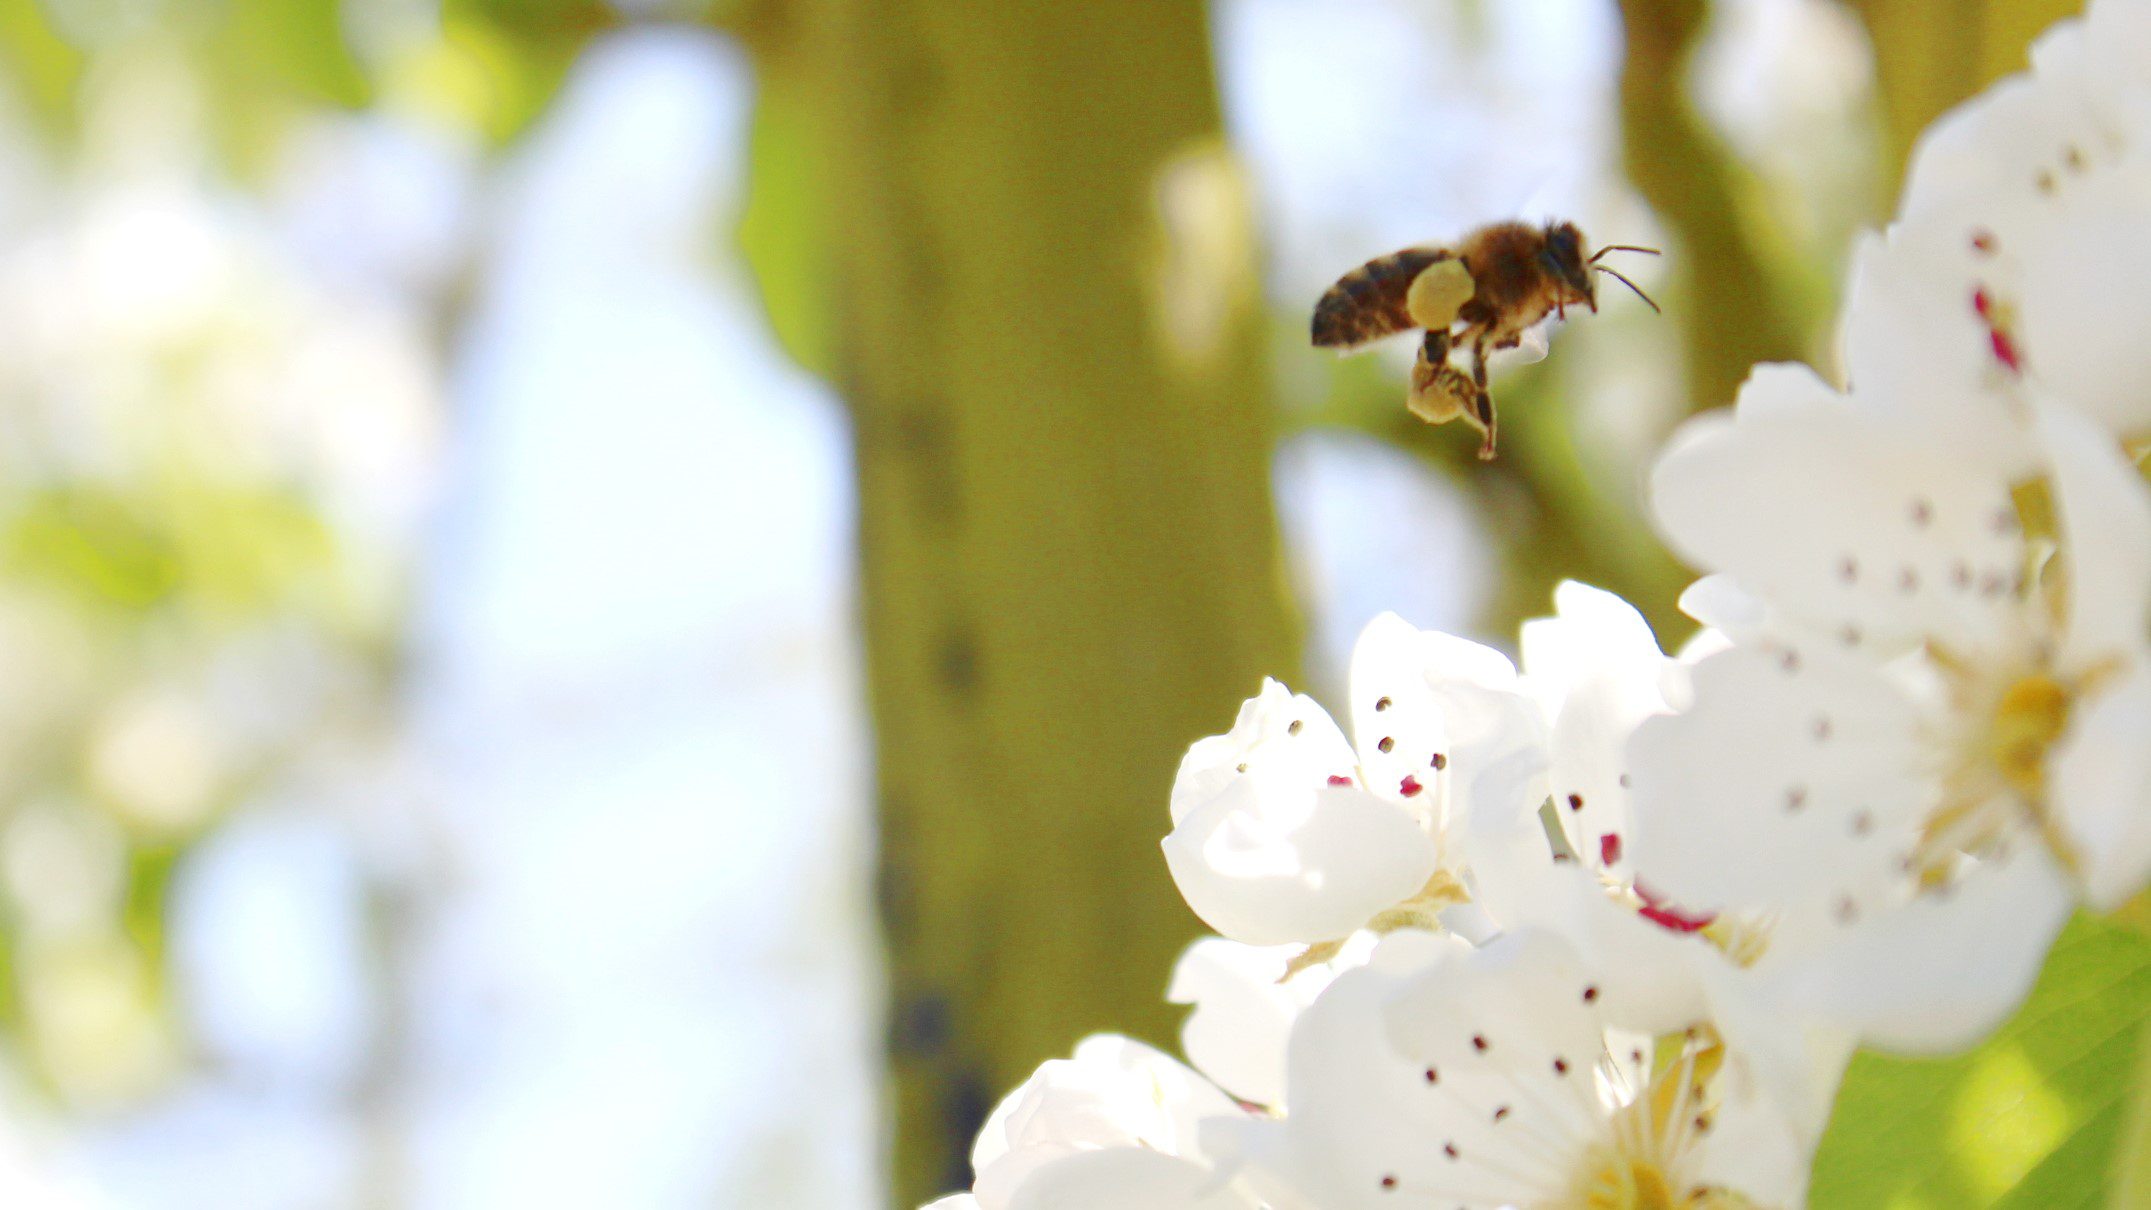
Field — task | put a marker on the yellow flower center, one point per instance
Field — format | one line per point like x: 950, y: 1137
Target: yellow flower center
x: 2030, y: 716
x: 1622, y: 1182
x: 1742, y: 940
x: 1619, y: 1182
x: 1997, y: 778
x: 1638, y: 1169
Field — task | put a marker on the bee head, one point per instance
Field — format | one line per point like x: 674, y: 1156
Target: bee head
x: 1564, y: 261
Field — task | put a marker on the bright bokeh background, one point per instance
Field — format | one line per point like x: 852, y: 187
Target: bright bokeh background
x: 432, y: 751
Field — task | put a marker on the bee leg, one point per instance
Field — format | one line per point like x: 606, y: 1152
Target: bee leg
x: 1439, y: 391
x: 1482, y: 406
x: 1482, y: 402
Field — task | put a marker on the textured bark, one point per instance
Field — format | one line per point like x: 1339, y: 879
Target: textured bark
x: 1070, y: 566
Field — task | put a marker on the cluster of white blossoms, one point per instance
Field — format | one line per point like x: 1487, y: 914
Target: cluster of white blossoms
x: 1601, y: 932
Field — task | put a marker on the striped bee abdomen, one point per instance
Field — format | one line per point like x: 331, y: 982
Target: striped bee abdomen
x: 1369, y: 302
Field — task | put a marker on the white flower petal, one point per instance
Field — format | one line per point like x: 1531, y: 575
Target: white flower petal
x: 1262, y: 1156
x: 1398, y: 725
x: 2012, y: 143
x: 2057, y: 54
x: 2103, y: 512
x: 955, y: 1201
x: 1879, y: 533
x: 1114, y: 1092
x: 1469, y: 922
x: 2080, y: 344
x: 1649, y: 975
x: 1597, y: 671
x: 1443, y: 726
x: 2099, y: 785
x: 1502, y: 757
x: 1278, y: 734
x: 1720, y: 603
x: 1244, y: 1009
x: 1916, y: 346
x: 1423, y: 701
x: 1270, y: 864
x: 1513, y: 1027
x: 1795, y: 1062
x: 2116, y: 69
x: 1590, y: 766
x: 1126, y: 1178
x: 1941, y: 972
x: 1593, y: 634
x: 1752, y: 1148
x: 1360, y: 1113
x: 1442, y: 1076
x: 1792, y: 779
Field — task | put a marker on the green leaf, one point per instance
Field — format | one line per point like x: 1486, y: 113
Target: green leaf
x: 2029, y: 1119
x: 2132, y: 1158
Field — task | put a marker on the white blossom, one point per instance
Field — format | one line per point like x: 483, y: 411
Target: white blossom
x: 1439, y: 1075
x: 1115, y: 1125
x: 1598, y: 673
x: 1283, y: 832
x: 1244, y: 1006
x: 2018, y: 240
x: 1901, y: 777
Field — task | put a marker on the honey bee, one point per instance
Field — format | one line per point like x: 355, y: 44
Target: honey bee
x: 1482, y: 294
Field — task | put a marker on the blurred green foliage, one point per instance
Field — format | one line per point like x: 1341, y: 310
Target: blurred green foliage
x: 151, y: 561
x: 784, y: 229
x: 42, y: 66
x: 229, y: 552
x: 2029, y: 1119
x: 145, y: 586
x: 520, y: 51
x: 292, y: 47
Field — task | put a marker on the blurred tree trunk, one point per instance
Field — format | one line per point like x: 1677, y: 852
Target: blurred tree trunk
x: 1931, y: 54
x: 1070, y: 564
x: 1736, y: 311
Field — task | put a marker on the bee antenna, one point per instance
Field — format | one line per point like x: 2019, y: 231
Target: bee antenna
x: 1616, y: 275
x: 1622, y: 248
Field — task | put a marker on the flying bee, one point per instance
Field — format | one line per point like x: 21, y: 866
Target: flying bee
x: 1482, y: 294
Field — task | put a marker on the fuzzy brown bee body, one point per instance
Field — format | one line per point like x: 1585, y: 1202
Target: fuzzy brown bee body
x: 1369, y: 302
x: 1483, y: 293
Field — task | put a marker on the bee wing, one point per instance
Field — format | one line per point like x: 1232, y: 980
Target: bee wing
x: 1373, y: 300
x: 1530, y: 347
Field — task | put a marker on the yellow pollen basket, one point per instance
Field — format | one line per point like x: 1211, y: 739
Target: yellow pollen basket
x: 2030, y: 716
x: 1438, y: 293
